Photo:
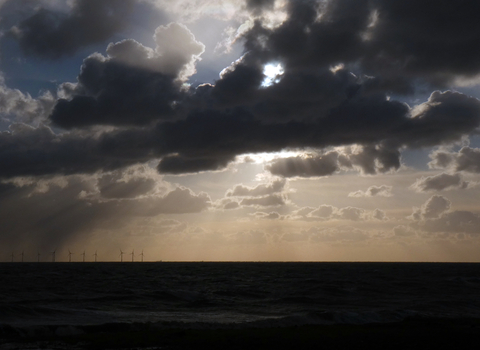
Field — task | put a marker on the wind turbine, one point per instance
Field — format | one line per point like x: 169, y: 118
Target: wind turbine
x: 22, y: 255
x: 132, y: 254
x: 95, y: 255
x: 83, y: 256
x: 142, y: 255
x: 121, y: 255
x: 53, y: 255
x: 38, y: 256
x: 69, y: 256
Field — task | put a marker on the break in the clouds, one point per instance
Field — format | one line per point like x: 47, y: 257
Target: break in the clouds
x: 317, y: 93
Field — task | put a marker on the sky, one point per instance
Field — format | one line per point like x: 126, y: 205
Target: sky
x: 240, y: 130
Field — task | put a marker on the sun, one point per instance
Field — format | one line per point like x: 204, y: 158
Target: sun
x: 273, y: 74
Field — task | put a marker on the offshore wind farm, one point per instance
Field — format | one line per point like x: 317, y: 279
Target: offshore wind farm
x: 67, y: 256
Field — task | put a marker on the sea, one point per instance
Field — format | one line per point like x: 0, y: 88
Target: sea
x: 205, y: 295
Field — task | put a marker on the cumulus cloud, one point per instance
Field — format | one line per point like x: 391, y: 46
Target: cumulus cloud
x: 231, y: 205
x: 175, y: 54
x: 21, y: 107
x: 372, y: 191
x: 276, y: 186
x: 440, y: 182
x: 379, y: 214
x: 268, y: 194
x: 403, y: 231
x: 366, y: 159
x: 323, y: 211
x: 270, y: 216
x: 436, y: 216
x: 433, y: 208
x: 134, y: 84
x: 50, y: 34
x: 133, y: 182
x: 466, y: 159
x: 460, y: 221
x: 342, y: 233
x: 329, y: 212
x: 51, y: 212
x: 272, y: 200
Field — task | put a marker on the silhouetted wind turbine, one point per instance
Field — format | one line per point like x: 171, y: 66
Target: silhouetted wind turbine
x: 69, y: 256
x: 83, y: 256
x: 132, y: 254
x: 53, y: 255
x: 38, y: 256
x: 142, y: 255
x: 95, y: 255
x: 121, y: 255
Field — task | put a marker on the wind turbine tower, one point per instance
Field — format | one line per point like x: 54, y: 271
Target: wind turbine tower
x: 69, y: 256
x: 22, y: 255
x: 95, y: 255
x: 38, y: 256
x: 53, y: 255
x: 121, y: 255
x: 83, y: 256
x: 142, y: 255
x: 132, y: 254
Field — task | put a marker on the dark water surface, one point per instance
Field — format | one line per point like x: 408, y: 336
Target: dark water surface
x: 234, y: 294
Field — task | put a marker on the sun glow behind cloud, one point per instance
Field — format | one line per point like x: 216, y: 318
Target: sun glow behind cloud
x: 262, y: 158
x: 273, y: 74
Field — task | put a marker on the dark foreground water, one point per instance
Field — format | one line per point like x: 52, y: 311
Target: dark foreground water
x: 231, y: 295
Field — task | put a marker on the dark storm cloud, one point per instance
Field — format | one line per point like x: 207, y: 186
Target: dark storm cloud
x: 209, y: 140
x: 25, y: 150
x: 175, y: 164
x: 112, y: 188
x: 314, y: 103
x: 50, y: 34
x: 133, y: 84
x: 394, y: 41
x: 112, y: 93
x: 257, y: 6
x: 305, y: 167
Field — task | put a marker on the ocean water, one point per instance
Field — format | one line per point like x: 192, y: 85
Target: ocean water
x: 196, y: 295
